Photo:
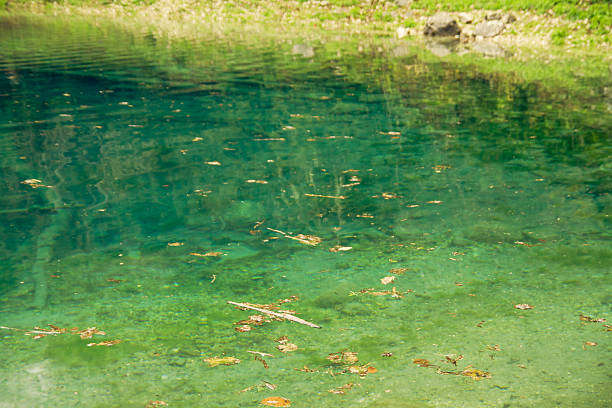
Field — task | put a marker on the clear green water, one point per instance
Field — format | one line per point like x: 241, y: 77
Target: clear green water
x: 491, y: 193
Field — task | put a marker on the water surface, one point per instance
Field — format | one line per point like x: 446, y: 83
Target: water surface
x: 145, y: 184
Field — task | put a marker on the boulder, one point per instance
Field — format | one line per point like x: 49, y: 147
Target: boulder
x: 489, y: 28
x: 441, y: 25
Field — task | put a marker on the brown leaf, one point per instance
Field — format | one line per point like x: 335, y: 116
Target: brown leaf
x: 387, y: 279
x: 421, y: 362
x: 287, y: 347
x: 89, y: 332
x: 175, y: 244
x: 475, y: 374
x: 523, y: 306
x: 276, y: 402
x: 591, y: 319
x: 104, y: 343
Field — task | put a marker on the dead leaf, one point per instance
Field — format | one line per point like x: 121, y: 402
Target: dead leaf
x: 156, y: 404
x: 343, y: 357
x: 339, y: 248
x: 342, y: 389
x: 523, y: 306
x: 591, y: 319
x: 590, y: 343
x: 213, y: 163
x: 387, y: 354
x: 387, y: 279
x: 276, y: 402
x: 421, y: 362
x: 207, y: 254
x: 324, y: 196
x: 215, y: 361
x: 362, y: 370
x: 89, y: 332
x: 243, y: 328
x: 104, y: 343
x: 452, y: 359
x: 475, y: 374
x: 398, y: 271
x: 175, y: 244
x: 287, y: 347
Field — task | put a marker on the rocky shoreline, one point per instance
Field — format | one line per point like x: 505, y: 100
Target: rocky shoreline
x: 517, y: 35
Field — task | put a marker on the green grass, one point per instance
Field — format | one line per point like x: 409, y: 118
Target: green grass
x: 598, y: 12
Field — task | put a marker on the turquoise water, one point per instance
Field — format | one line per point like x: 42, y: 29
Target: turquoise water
x: 146, y: 184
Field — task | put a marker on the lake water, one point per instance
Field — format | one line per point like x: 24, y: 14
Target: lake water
x: 407, y: 207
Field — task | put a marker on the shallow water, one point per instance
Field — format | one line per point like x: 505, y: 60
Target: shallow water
x: 146, y: 184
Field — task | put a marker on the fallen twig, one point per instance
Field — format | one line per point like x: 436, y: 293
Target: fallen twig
x: 275, y: 314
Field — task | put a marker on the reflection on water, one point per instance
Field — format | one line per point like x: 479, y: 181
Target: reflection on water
x: 144, y: 186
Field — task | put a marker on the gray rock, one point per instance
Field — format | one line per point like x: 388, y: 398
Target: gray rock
x: 496, y: 15
x: 441, y: 25
x: 508, y: 18
x: 489, y: 49
x: 403, y: 3
x: 465, y: 18
x: 489, y: 28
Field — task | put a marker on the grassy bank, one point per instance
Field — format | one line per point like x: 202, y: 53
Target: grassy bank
x: 555, y: 43
x: 569, y: 24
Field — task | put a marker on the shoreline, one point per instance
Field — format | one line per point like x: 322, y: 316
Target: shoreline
x: 528, y: 35
x: 511, y: 52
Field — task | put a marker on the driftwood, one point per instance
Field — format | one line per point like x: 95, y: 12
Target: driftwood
x: 287, y: 316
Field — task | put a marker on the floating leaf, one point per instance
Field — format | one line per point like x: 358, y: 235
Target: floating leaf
x: 398, y: 271
x: 590, y: 343
x: 215, y: 361
x: 523, y: 306
x: 386, y: 354
x: 175, y: 244
x: 213, y: 163
x: 276, y: 402
x: 243, y: 328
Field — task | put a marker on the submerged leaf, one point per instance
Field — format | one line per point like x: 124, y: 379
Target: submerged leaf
x: 276, y: 402
x: 215, y: 361
x: 475, y: 374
